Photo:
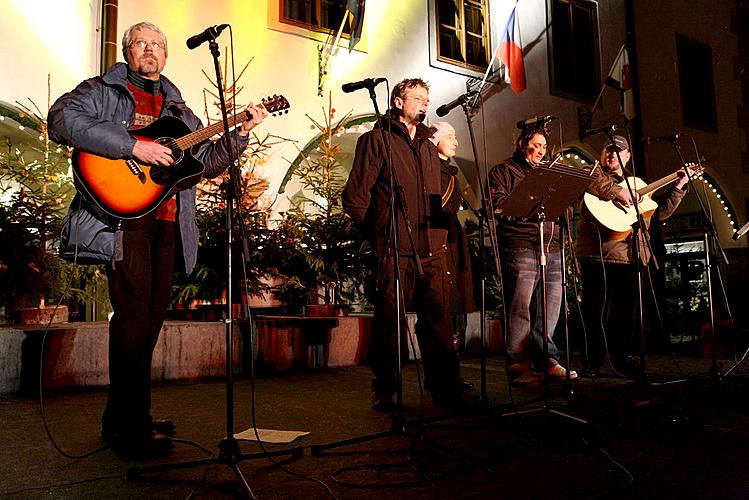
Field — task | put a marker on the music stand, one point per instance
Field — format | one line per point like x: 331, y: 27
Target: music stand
x: 546, y: 192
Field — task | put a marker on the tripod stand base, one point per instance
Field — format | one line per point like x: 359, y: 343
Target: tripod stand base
x: 549, y: 411
x: 229, y: 454
x: 399, y: 427
x: 553, y: 428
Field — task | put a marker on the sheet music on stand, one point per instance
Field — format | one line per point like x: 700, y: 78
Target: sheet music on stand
x: 554, y: 187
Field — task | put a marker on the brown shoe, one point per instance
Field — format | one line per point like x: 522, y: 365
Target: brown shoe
x: 558, y: 371
x: 527, y: 378
x: 516, y: 369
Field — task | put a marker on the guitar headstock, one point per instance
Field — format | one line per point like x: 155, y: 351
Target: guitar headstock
x: 276, y: 104
x: 697, y: 169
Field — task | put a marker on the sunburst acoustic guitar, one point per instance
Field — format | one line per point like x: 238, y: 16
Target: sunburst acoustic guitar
x: 127, y: 189
x: 619, y: 219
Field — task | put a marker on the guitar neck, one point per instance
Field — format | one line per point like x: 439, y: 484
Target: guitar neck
x: 206, y: 133
x: 655, y: 186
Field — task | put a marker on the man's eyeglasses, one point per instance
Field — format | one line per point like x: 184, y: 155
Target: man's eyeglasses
x: 145, y: 43
x: 419, y: 99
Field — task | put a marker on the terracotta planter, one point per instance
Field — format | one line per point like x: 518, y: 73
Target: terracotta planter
x: 41, y: 315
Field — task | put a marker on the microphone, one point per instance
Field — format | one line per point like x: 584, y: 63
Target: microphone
x: 600, y: 130
x: 458, y: 101
x: 367, y: 83
x: 738, y: 234
x: 210, y: 33
x: 669, y: 138
x: 535, y: 120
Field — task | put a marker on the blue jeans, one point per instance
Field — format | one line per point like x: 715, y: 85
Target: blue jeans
x: 523, y: 293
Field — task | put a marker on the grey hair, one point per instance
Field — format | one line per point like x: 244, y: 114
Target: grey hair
x: 127, y: 36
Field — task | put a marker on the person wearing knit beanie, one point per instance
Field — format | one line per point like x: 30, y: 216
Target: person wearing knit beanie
x: 459, y: 261
x: 442, y: 130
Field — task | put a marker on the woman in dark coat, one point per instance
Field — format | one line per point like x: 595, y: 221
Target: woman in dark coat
x: 459, y: 259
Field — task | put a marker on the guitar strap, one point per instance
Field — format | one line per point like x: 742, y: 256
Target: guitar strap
x: 449, y: 191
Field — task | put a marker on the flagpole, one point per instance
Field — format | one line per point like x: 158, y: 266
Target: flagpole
x: 340, y: 32
x: 595, y: 104
x: 603, y: 84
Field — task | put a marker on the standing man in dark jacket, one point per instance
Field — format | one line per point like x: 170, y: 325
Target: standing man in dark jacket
x: 607, y: 266
x: 520, y: 243
x: 141, y: 253
x: 367, y: 200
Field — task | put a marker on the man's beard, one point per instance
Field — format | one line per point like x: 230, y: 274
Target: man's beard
x: 148, y: 66
x: 611, y: 167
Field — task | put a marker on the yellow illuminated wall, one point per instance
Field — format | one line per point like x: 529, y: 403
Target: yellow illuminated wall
x: 38, y: 37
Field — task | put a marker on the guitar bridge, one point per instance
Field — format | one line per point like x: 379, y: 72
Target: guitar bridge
x: 136, y: 170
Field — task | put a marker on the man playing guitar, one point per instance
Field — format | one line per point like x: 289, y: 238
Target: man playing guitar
x: 140, y: 253
x: 607, y: 263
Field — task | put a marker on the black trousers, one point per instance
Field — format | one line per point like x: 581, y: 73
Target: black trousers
x: 139, y: 288
x: 609, y: 307
x: 429, y: 297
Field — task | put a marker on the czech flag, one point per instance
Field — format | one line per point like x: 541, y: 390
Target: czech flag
x: 511, y: 54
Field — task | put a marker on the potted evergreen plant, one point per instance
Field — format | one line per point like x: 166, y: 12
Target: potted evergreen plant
x: 35, y: 188
x: 325, y: 260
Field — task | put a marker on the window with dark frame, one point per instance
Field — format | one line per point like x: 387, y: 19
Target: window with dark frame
x: 324, y: 16
x: 574, y: 60
x: 696, y: 84
x: 463, y: 33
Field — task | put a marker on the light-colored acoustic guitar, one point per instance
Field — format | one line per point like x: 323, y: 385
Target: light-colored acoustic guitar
x: 619, y: 219
x: 127, y: 189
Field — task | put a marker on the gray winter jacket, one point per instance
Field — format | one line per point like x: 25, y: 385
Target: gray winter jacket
x: 95, y: 117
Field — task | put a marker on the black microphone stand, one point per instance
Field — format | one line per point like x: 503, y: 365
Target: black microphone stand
x: 636, y: 228
x: 708, y: 233
x: 485, y: 217
x: 565, y: 238
x: 229, y: 452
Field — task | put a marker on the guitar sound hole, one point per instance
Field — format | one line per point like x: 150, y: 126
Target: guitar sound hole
x: 177, y: 153
x: 160, y: 175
